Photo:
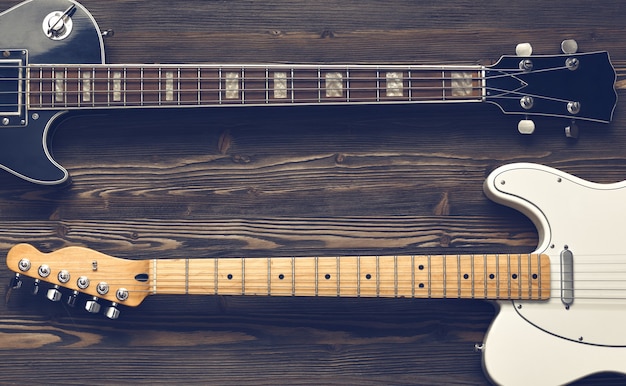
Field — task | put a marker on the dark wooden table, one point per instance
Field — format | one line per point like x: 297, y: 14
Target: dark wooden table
x: 293, y: 182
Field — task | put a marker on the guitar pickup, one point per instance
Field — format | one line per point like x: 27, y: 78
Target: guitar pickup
x: 567, y: 277
x: 13, y: 88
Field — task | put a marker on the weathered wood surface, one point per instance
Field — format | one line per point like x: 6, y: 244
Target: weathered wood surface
x: 293, y: 182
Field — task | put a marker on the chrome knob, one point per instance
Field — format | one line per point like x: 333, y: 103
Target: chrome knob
x: 54, y: 294
x: 92, y: 305
x: 112, y: 312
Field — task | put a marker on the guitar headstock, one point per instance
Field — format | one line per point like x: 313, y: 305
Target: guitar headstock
x: 574, y: 86
x: 83, y: 273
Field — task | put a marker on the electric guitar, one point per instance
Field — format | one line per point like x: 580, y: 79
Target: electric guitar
x: 560, y: 308
x: 53, y: 62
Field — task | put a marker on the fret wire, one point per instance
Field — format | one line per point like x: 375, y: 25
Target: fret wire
x: 347, y: 85
x: 215, y: 275
x: 293, y: 95
x: 530, y: 282
x: 40, y: 87
x: 141, y: 87
x: 539, y: 273
x: 429, y: 278
x: 125, y: 86
x: 269, y: 275
x: 445, y: 279
x: 242, y: 86
x: 443, y: 83
x: 473, y: 277
x: 485, y: 290
x: 497, y: 276
x: 65, y: 86
x: 377, y: 85
x: 154, y: 276
x: 178, y: 71
x: 199, y: 95
x: 377, y: 276
x: 412, y: 276
x: 319, y: 85
x: 519, y: 276
x: 219, y: 82
x: 338, y: 274
x: 293, y: 276
x: 458, y: 274
x: 267, y: 85
x: 508, y: 275
x: 159, y: 81
x: 395, y: 275
x: 316, y: 276
x: 109, y: 86
x: 358, y: 276
x: 52, y: 98
x: 410, y: 85
x: 186, y: 276
x: 243, y: 276
x: 78, y: 85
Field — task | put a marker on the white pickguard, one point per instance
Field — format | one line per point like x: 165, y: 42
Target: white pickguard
x: 545, y: 342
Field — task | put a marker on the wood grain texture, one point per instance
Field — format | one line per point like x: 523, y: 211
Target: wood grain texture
x: 293, y: 182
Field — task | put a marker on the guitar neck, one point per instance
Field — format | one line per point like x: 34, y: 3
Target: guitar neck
x: 118, y: 86
x: 462, y: 276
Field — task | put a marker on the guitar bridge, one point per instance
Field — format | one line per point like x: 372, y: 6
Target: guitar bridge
x: 13, y: 88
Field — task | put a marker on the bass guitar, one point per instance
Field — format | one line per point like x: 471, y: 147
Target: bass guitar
x: 53, y: 62
x: 560, y: 307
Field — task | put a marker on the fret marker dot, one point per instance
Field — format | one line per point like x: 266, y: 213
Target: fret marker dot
x: 534, y: 275
x: 466, y: 276
x: 368, y: 276
x: 421, y: 285
x: 281, y: 276
x: 514, y: 276
x: 230, y: 276
x: 421, y: 267
x: 327, y: 276
x: 491, y: 276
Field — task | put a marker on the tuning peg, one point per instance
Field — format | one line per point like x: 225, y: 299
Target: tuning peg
x: 572, y: 130
x: 526, y: 126
x: 16, y: 282
x: 92, y: 305
x: 112, y: 312
x: 569, y: 46
x: 523, y: 49
x: 35, y: 289
x: 54, y: 294
x: 71, y: 300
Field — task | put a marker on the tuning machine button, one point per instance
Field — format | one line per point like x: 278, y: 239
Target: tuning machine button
x: 112, y: 312
x: 569, y: 46
x: 92, y: 305
x: 526, y: 126
x: 35, y: 289
x: 572, y: 130
x: 71, y: 300
x: 16, y: 282
x: 54, y: 294
x: 523, y: 49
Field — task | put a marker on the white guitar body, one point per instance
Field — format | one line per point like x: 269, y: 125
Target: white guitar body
x: 536, y: 343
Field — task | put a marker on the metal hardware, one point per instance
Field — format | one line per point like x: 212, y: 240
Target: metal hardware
x: 54, y: 294
x: 71, y: 300
x: 63, y: 276
x: 122, y: 294
x: 112, y: 312
x: 24, y: 265
x: 102, y: 288
x: 573, y: 107
x: 527, y: 102
x: 44, y: 270
x: 58, y: 25
x: 572, y: 130
x: 572, y: 63
x: 526, y: 65
x: 35, y: 289
x: 567, y: 277
x: 82, y: 282
x: 92, y: 306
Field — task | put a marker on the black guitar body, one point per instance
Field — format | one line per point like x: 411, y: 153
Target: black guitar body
x: 24, y: 140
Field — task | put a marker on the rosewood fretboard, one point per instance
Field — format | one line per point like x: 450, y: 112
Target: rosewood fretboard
x: 107, y: 86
